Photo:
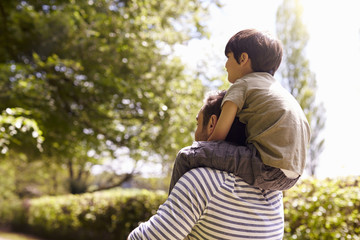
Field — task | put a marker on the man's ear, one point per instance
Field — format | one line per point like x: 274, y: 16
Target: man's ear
x: 211, y: 125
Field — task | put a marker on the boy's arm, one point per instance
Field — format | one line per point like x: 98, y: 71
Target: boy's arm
x: 225, y: 121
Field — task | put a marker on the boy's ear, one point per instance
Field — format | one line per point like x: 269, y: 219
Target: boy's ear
x: 244, y: 57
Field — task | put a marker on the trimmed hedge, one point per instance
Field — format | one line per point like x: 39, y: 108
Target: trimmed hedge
x: 103, y: 215
x: 314, y: 209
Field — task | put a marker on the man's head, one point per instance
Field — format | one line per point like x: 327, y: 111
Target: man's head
x: 207, y: 120
x: 264, y: 51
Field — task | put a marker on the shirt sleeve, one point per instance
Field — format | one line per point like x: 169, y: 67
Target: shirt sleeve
x: 180, y: 212
x: 236, y: 94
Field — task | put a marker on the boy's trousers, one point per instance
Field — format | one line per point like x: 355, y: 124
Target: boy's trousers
x: 243, y: 161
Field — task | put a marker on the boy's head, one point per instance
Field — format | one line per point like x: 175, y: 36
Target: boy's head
x: 264, y: 51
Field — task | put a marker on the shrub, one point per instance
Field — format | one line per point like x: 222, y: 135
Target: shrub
x: 314, y: 209
x: 104, y: 215
x: 10, y: 209
x: 323, y: 209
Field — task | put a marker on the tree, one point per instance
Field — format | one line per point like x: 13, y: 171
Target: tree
x: 297, y: 76
x: 98, y: 75
x: 15, y: 126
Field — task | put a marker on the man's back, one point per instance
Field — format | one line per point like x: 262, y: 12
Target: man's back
x: 211, y: 204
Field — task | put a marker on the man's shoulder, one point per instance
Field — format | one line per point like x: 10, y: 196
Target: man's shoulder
x: 204, y: 176
x: 204, y: 171
x: 206, y: 179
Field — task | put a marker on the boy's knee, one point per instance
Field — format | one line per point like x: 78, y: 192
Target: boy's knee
x: 182, y: 156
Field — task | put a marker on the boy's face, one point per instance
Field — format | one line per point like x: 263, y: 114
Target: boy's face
x: 235, y: 70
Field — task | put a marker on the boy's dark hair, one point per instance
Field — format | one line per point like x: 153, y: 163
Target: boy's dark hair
x: 212, y: 106
x: 264, y: 51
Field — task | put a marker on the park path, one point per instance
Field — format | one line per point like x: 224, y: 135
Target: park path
x: 5, y: 235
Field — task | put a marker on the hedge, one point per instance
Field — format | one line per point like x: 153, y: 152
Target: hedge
x: 314, y: 209
x: 323, y: 209
x: 103, y: 215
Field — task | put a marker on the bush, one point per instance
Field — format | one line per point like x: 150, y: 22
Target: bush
x: 104, y: 215
x: 314, y: 209
x: 10, y: 209
x: 323, y: 209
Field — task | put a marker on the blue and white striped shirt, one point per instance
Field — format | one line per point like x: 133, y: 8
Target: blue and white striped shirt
x: 210, y: 204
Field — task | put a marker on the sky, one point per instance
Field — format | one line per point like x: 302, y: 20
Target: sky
x: 334, y: 54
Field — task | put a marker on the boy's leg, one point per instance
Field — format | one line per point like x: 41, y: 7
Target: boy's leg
x: 270, y: 178
x: 219, y: 155
x: 181, y: 166
x: 243, y: 161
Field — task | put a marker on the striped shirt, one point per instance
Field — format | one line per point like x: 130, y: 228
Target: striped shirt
x: 210, y: 204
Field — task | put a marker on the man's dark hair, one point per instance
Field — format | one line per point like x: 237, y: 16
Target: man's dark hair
x: 264, y: 51
x: 212, y: 106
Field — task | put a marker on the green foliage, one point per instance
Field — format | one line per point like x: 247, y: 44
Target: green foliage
x: 8, y: 197
x: 99, y: 75
x: 314, y: 209
x: 153, y: 183
x: 103, y: 215
x: 15, y: 129
x: 323, y: 209
x: 22, y: 179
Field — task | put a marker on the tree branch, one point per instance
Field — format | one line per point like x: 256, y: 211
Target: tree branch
x: 126, y: 178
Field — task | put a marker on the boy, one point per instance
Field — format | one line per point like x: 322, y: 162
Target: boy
x: 276, y: 128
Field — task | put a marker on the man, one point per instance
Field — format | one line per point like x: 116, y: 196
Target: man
x: 207, y: 203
